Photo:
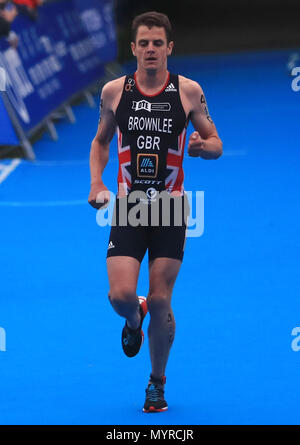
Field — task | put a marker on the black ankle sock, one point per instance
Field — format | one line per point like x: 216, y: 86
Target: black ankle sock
x: 158, y: 380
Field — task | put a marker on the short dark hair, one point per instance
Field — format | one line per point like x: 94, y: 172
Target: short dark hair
x: 150, y: 19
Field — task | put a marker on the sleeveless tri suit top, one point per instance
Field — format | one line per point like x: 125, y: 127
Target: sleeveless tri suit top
x: 151, y: 137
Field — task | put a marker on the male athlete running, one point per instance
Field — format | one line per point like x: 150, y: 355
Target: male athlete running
x: 150, y: 110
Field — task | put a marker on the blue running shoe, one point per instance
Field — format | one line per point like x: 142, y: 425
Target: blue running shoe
x: 155, y: 400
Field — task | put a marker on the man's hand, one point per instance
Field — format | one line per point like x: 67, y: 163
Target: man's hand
x: 210, y: 148
x: 196, y: 144
x: 99, y: 196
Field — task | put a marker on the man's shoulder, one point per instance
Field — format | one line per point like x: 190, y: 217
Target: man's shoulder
x: 113, y: 87
x: 188, y: 86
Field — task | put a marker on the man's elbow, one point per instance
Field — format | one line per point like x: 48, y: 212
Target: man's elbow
x: 99, y: 143
x: 219, y: 150
x: 219, y: 153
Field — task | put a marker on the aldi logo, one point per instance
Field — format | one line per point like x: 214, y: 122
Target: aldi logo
x: 147, y: 165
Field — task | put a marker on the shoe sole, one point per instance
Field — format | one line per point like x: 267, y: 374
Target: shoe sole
x: 143, y: 306
x: 145, y: 311
x: 155, y: 410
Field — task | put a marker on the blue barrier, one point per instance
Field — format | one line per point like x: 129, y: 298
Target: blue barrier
x: 7, y: 133
x: 60, y: 54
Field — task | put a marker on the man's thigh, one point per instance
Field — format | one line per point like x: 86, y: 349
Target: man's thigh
x: 123, y: 273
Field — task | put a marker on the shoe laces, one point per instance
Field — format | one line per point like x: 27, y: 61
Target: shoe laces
x: 153, y: 392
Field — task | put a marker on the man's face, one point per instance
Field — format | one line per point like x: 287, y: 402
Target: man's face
x: 151, y: 48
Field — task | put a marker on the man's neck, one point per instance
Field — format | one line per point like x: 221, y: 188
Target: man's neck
x: 151, y: 81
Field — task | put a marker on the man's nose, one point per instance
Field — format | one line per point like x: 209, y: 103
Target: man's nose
x: 150, y: 47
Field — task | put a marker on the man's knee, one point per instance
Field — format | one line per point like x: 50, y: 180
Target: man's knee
x: 122, y: 296
x: 158, y: 302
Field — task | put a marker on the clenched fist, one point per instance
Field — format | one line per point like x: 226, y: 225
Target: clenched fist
x: 196, y: 144
x: 99, y: 196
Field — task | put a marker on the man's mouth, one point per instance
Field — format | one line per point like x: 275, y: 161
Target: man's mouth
x: 150, y: 59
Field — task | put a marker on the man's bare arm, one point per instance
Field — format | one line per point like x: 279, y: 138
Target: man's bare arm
x: 100, y: 145
x: 205, y: 141
x: 99, y: 153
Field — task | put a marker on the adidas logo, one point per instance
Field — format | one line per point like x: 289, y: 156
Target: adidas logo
x: 111, y: 245
x: 170, y: 87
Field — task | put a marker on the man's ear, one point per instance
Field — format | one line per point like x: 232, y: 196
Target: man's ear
x: 133, y: 48
x: 170, y: 47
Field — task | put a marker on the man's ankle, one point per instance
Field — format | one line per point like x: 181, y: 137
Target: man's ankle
x: 157, y: 380
x: 134, y: 323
